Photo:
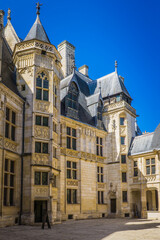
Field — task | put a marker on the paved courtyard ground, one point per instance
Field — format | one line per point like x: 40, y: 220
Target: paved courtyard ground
x: 95, y: 229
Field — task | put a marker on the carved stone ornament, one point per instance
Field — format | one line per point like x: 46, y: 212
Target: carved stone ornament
x: 11, y: 145
x: 41, y: 191
x: 42, y: 132
x: 72, y: 183
x: 39, y: 158
x: 42, y: 106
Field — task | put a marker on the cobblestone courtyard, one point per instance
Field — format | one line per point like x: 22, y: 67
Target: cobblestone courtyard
x: 97, y: 229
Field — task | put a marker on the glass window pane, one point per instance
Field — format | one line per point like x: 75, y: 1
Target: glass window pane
x: 97, y: 150
x: 6, y: 164
x: 68, y: 131
x: 68, y: 164
x: 38, y: 94
x: 6, y: 179
x: 45, y: 83
x: 73, y: 143
x: 5, y: 197
x: 121, y: 121
x: 122, y: 140
x: 153, y: 161
x: 147, y: 161
x: 135, y: 163
x: 45, y: 121
x: 44, y: 178
x: 38, y: 120
x: 124, y: 179
x: 68, y: 173
x: 101, y: 151
x: 98, y: 169
x: 97, y: 140
x: 102, y: 197
x: 74, y: 165
x: 13, y: 133
x: 99, y: 198
x: 7, y: 130
x: 124, y: 196
x: 74, y: 196
x: 101, y: 169
x: 7, y: 113
x: 11, y: 180
x: 11, y: 197
x: 153, y: 168
x: 37, y: 178
x: 135, y: 172
x: 68, y: 195
x: 45, y: 95
x: 74, y: 172
x: 13, y: 117
x: 147, y: 170
x: 12, y: 166
x: 123, y: 158
x: 100, y: 141
x: 101, y: 178
x: 39, y: 82
x: 68, y: 142
x: 45, y: 147
x: 37, y: 147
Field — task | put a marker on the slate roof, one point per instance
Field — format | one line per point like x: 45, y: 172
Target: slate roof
x: 37, y: 32
x: 146, y: 142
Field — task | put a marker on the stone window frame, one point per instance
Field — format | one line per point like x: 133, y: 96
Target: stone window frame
x: 99, y: 146
x: 41, y: 183
x: 150, y: 166
x: 71, y: 169
x: 100, y: 197
x: 41, y: 147
x: 71, y: 196
x: 10, y: 123
x: 54, y: 152
x: 41, y: 121
x: 9, y: 182
x: 71, y: 138
x: 44, y: 77
x: 100, y: 174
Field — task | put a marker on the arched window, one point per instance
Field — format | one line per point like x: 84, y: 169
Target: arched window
x: 73, y: 96
x: 99, y: 110
x: 42, y: 87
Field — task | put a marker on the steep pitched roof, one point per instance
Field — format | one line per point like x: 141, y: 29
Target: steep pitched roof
x: 37, y: 32
x: 146, y: 142
x: 11, y: 35
x: 110, y: 84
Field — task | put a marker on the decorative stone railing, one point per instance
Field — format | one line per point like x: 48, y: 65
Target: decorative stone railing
x: 118, y: 105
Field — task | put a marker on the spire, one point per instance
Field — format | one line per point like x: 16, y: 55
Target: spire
x: 37, y: 31
x: 116, y: 65
x: 9, y: 14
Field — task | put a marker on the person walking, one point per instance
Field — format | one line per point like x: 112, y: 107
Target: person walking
x: 45, y: 219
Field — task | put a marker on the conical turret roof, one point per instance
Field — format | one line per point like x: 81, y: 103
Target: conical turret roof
x: 37, y: 32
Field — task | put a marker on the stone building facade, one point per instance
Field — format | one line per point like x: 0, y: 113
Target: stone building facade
x: 69, y: 144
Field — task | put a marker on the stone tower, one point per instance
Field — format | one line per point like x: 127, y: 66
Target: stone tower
x: 38, y: 75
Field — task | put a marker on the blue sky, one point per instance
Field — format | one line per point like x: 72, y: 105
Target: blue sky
x: 104, y: 31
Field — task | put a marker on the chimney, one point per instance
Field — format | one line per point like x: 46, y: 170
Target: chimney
x: 84, y: 70
x: 67, y: 51
x: 1, y: 19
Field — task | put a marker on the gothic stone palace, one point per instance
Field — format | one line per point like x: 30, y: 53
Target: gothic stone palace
x: 69, y: 144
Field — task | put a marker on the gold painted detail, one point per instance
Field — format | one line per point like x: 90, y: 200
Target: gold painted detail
x: 72, y: 183
x: 100, y: 185
x: 41, y: 191
x: 123, y: 130
x: 123, y: 148
x: 42, y: 106
x: 41, y: 132
x: 39, y: 158
x: 10, y: 145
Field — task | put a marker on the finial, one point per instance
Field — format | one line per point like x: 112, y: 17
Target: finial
x: 116, y: 66
x: 9, y: 14
x: 38, y: 7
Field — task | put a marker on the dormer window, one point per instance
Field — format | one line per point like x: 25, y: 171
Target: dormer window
x: 73, y: 96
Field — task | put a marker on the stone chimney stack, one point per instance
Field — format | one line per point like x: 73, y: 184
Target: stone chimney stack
x: 84, y: 70
x: 1, y: 19
x: 67, y: 51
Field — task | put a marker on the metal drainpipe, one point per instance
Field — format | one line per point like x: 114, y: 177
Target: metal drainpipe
x: 21, y: 199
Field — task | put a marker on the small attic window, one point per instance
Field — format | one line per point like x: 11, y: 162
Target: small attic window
x: 73, y: 96
x: 43, y: 52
